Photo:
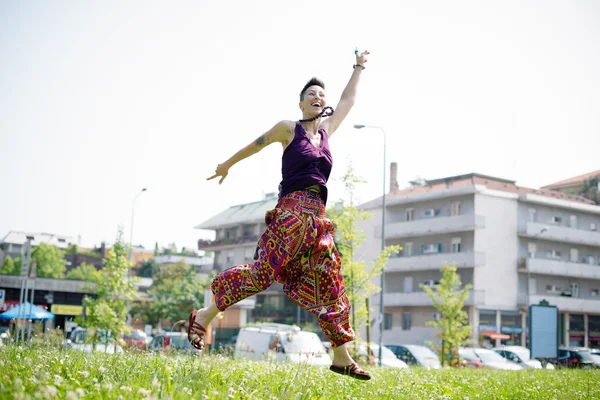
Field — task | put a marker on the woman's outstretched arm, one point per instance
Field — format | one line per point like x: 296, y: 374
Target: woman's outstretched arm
x: 348, y: 96
x: 278, y: 133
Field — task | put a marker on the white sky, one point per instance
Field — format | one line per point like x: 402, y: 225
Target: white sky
x: 99, y: 99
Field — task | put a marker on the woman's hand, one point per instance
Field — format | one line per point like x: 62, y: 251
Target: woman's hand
x: 361, y: 57
x: 222, y: 170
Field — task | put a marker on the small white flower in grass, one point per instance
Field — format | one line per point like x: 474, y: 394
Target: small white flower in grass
x: 107, y: 386
x: 19, y: 396
x: 1, y: 363
x: 187, y: 390
x: 156, y: 383
x: 58, y: 380
x: 71, y: 396
x: 126, y: 389
x: 85, y: 374
x: 50, y: 392
x: 80, y: 392
x: 18, y: 383
x: 143, y: 392
x: 101, y: 370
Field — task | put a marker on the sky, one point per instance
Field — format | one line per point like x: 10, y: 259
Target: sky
x: 100, y: 99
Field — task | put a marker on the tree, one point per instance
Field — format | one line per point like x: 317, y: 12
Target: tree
x: 9, y: 267
x: 416, y: 182
x: 176, y: 291
x: 148, y: 268
x: 590, y: 189
x: 108, y: 311
x: 348, y: 237
x: 50, y: 260
x: 449, y: 300
x: 85, y: 272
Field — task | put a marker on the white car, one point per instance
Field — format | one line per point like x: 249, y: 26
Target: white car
x: 388, y: 358
x: 279, y: 342
x: 521, y: 356
x: 488, y: 358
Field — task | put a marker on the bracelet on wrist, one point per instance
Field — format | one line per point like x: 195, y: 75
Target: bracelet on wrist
x: 358, y: 65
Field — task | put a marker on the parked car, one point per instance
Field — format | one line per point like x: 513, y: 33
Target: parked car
x: 78, y: 341
x: 521, y: 355
x: 574, y: 357
x: 388, y: 358
x: 173, y: 342
x: 413, y: 354
x: 595, y: 353
x: 280, y: 342
x: 137, y: 339
x: 487, y: 359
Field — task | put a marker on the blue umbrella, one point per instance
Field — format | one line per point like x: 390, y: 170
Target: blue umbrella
x: 26, y: 311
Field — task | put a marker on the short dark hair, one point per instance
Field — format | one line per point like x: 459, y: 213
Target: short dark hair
x: 313, y: 82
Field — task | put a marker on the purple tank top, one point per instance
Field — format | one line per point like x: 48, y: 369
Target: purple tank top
x: 304, y: 165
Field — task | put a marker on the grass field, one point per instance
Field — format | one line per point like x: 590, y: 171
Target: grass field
x: 39, y: 372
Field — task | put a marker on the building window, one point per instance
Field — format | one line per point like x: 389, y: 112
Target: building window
x: 431, y: 248
x: 431, y: 283
x: 406, y: 321
x: 592, y: 227
x: 531, y: 248
x: 230, y: 256
x: 591, y: 260
x: 532, y: 212
x: 408, y: 249
x: 574, y: 255
x: 574, y: 289
x: 573, y: 221
x: 455, y: 208
x: 594, y: 292
x: 408, y: 284
x: 410, y: 214
x: 555, y: 254
x: 552, y: 289
x: 456, y: 245
x: 387, y: 321
x: 431, y: 213
x: 556, y: 220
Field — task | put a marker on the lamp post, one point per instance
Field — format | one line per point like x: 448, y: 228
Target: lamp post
x: 131, y: 245
x: 358, y: 126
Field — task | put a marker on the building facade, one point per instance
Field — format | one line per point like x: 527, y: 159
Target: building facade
x: 516, y: 246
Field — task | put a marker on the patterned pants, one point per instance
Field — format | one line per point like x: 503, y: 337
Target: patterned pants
x: 296, y: 250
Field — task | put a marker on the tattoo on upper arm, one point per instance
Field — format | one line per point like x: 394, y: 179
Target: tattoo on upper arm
x: 260, y: 141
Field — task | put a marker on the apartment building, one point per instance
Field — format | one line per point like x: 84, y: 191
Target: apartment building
x: 237, y: 231
x: 517, y: 246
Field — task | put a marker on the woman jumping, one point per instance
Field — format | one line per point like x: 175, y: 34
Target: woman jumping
x: 297, y: 247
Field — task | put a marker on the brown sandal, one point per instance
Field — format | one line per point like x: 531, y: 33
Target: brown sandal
x: 195, y: 328
x: 352, y: 370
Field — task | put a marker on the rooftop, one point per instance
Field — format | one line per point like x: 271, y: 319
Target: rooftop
x: 573, y: 181
x: 244, y: 213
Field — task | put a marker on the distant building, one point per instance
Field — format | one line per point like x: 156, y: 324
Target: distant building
x: 517, y: 246
x: 12, y: 244
x: 587, y: 185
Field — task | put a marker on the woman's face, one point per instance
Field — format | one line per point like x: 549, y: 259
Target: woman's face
x: 314, y: 101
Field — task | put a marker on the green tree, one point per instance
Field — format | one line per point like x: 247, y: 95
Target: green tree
x: 176, y: 291
x: 10, y: 267
x: 85, y: 272
x: 449, y: 300
x: 358, y: 278
x: 108, y: 311
x: 148, y: 268
x: 416, y: 182
x: 50, y: 260
x: 590, y: 189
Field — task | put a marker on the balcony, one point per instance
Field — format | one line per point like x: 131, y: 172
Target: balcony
x: 399, y: 299
x: 570, y: 304
x: 226, y: 242
x: 561, y: 234
x: 432, y: 226
x: 560, y: 268
x: 435, y: 261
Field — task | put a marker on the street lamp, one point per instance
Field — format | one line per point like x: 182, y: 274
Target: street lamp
x: 131, y: 244
x: 358, y: 126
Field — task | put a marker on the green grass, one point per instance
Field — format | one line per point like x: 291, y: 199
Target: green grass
x: 42, y: 372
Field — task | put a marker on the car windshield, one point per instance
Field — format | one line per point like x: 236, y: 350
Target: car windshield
x: 385, y: 352
x: 585, y: 355
x: 489, y: 356
x: 422, y: 353
x: 179, y: 342
x: 303, y: 344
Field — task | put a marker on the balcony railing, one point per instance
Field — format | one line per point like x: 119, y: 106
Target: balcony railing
x: 570, y: 304
x: 208, y: 244
x: 397, y: 299
x: 561, y: 234
x: 435, y: 261
x: 432, y: 226
x: 559, y: 268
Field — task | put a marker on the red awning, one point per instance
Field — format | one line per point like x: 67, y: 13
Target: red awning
x: 495, y: 335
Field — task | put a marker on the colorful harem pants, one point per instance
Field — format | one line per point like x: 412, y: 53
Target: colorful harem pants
x: 297, y: 250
